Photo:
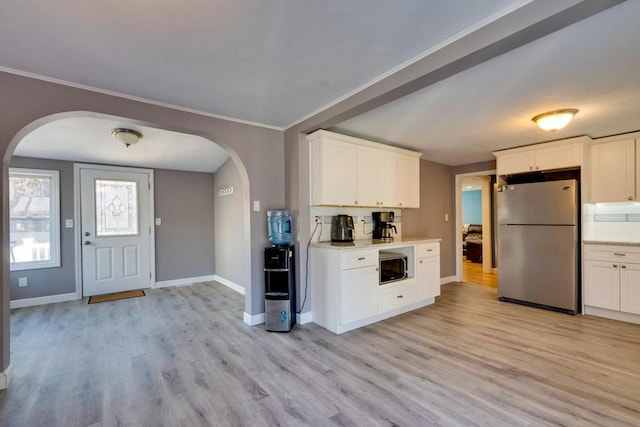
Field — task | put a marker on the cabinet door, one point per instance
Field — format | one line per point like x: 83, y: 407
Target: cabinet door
x: 428, y: 276
x: 558, y: 157
x: 522, y: 161
x: 358, y: 294
x: 408, y: 184
x: 376, y: 177
x: 613, y: 171
x: 602, y: 284
x: 367, y: 181
x: 638, y: 169
x: 333, y: 173
x: 630, y: 288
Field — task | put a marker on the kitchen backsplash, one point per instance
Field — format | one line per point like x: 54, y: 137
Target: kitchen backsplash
x: 362, y: 230
x: 614, y: 222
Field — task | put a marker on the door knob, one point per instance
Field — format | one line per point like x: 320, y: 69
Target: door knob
x: 86, y: 242
x: 86, y: 233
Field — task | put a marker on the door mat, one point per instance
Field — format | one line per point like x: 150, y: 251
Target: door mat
x: 116, y: 296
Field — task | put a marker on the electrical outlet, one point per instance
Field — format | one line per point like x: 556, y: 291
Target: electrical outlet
x: 22, y: 282
x: 318, y: 219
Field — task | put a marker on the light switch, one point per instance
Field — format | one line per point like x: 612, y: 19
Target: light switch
x: 256, y: 205
x: 158, y: 221
x: 68, y: 223
x: 446, y: 217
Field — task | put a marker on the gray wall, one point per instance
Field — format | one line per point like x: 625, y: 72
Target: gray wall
x: 184, y: 201
x: 26, y: 103
x: 55, y: 280
x: 229, y: 225
x: 473, y: 167
x: 437, y: 198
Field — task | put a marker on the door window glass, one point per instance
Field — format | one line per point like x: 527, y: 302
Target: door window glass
x: 116, y: 208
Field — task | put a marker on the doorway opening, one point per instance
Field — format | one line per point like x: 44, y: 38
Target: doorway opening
x: 475, y: 236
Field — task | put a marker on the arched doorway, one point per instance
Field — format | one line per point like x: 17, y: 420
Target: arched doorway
x: 242, y: 234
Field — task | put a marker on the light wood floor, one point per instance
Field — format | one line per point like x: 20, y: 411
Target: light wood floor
x: 472, y: 273
x: 183, y: 357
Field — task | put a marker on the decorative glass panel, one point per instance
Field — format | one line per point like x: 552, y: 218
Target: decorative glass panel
x: 116, y: 208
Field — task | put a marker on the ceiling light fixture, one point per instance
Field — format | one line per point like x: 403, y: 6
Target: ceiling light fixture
x: 126, y: 136
x: 555, y: 120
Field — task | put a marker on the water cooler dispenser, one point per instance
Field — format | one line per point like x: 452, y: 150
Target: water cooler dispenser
x: 279, y: 273
x: 280, y: 288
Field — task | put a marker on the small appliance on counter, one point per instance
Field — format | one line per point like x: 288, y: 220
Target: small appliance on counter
x: 280, y: 289
x: 383, y: 228
x: 342, y: 229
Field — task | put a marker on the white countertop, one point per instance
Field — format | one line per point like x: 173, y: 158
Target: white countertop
x: 610, y: 242
x: 370, y: 243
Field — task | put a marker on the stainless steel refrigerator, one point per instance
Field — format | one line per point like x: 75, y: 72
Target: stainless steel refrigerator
x: 538, y: 241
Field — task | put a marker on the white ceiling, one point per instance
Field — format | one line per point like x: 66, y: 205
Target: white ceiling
x: 89, y: 140
x: 277, y: 62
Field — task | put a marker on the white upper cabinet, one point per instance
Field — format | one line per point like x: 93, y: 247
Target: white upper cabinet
x: 333, y: 172
x: 376, y: 177
x: 408, y: 183
x: 347, y: 171
x: 540, y: 157
x: 614, y: 165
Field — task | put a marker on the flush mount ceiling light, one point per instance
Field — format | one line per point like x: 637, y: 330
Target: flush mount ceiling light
x: 126, y: 136
x: 555, y: 120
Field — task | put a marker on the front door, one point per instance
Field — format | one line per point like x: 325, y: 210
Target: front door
x: 116, y: 230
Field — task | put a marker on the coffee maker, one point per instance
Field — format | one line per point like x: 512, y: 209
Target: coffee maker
x: 383, y: 228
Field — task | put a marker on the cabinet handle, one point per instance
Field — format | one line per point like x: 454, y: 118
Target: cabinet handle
x: 355, y: 203
x: 420, y: 261
x: 623, y: 266
x: 400, y: 296
x: 630, y: 197
x: 362, y: 258
x: 537, y: 167
x: 429, y: 250
x: 530, y: 168
x: 615, y: 265
x: 400, y: 204
x: 619, y: 254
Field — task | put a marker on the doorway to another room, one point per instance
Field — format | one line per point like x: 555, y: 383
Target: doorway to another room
x: 476, y: 253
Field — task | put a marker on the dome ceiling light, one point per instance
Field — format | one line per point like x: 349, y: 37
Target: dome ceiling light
x: 555, y: 120
x: 126, y: 136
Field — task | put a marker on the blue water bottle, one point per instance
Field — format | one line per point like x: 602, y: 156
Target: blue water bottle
x: 279, y: 226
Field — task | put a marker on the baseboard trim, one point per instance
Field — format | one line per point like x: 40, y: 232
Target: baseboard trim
x: 306, y: 317
x: 30, y: 302
x: 255, y: 319
x: 6, y: 377
x: 449, y: 279
x: 184, y: 282
x: 228, y: 283
x: 612, y: 314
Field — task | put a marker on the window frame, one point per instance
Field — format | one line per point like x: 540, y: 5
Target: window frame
x: 54, y: 220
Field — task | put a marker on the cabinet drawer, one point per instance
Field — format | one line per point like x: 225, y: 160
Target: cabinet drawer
x: 612, y: 253
x: 357, y: 259
x: 428, y: 249
x: 395, y: 296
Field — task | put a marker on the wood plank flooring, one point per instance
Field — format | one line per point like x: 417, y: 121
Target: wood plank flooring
x: 183, y: 357
x: 472, y: 273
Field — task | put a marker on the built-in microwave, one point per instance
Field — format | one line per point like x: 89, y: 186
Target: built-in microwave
x: 393, y: 267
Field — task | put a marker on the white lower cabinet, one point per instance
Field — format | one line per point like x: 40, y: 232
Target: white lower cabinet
x: 345, y: 288
x: 612, y: 281
x: 358, y: 297
x: 428, y: 270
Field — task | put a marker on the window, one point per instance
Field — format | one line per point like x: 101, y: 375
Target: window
x: 34, y: 224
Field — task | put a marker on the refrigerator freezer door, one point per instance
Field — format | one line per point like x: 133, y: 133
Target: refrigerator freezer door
x: 538, y: 264
x: 551, y: 202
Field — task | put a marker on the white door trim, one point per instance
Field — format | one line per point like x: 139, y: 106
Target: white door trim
x: 77, y: 217
x: 458, y: 234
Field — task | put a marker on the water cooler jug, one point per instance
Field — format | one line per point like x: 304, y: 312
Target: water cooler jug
x: 280, y: 288
x: 279, y: 226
